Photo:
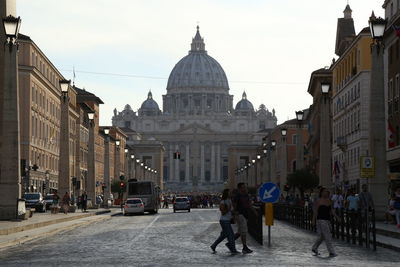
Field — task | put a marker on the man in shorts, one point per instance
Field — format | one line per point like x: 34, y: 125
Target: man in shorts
x: 242, y: 206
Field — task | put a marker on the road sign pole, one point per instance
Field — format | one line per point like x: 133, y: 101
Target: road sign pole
x: 269, y: 193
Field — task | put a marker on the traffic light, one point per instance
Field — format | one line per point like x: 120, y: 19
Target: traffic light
x: 121, y: 177
x: 44, y: 186
x: 122, y: 185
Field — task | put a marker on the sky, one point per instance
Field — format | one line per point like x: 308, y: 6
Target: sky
x: 122, y: 49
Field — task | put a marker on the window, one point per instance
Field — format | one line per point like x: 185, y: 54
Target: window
x: 294, y: 139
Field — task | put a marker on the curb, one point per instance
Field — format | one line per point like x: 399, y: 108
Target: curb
x: 39, y: 236
x: 47, y: 223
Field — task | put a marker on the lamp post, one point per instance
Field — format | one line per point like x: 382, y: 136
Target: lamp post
x: 377, y: 120
x: 64, y: 175
x: 254, y: 176
x: 10, y: 170
x: 283, y: 179
x: 126, y: 163
x: 299, y: 141
x: 136, y: 173
x: 142, y: 174
x: 325, y: 137
x: 117, y: 161
x: 106, y: 166
x: 132, y: 166
x: 90, y: 185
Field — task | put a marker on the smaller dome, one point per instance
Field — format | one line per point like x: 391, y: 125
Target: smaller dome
x: 244, y: 104
x: 149, y: 104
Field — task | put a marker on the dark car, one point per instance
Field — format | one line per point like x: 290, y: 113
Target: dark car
x: 35, y: 200
x: 182, y: 203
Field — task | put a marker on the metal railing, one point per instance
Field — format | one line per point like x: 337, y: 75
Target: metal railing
x: 255, y: 224
x: 353, y: 227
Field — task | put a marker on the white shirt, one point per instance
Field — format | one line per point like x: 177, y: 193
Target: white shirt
x: 337, y: 201
x: 227, y: 216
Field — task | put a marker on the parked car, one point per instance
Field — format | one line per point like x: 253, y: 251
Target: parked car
x: 182, y: 203
x: 35, y: 200
x: 133, y: 205
x: 49, y: 200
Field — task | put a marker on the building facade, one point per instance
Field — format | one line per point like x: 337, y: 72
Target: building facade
x: 392, y: 89
x: 198, y: 120
x: 350, y: 109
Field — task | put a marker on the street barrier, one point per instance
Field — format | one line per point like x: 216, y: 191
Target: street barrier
x: 353, y: 227
x: 255, y: 223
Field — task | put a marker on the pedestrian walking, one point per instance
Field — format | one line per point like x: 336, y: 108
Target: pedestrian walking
x: 242, y: 206
x: 84, y: 201
x: 366, y: 201
x: 323, y: 210
x: 56, y: 200
x: 225, y: 221
x: 396, y: 206
x: 65, y: 202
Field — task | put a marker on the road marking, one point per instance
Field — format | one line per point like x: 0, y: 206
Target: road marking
x: 268, y: 194
x: 145, y: 229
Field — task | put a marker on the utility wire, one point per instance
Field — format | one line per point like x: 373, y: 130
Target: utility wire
x: 164, y: 78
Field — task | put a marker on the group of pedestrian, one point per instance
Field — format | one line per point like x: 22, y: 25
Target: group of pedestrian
x: 235, y: 209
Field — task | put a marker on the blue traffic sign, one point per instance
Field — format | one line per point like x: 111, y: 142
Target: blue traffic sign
x: 269, y: 193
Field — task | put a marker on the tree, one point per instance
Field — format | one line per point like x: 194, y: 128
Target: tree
x: 303, y: 180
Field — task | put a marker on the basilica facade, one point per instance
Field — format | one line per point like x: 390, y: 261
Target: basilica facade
x: 198, y: 120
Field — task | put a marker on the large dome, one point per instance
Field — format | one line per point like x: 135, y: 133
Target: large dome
x: 198, y: 69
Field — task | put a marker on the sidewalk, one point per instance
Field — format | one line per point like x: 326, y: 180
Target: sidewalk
x: 45, y: 224
x: 388, y: 236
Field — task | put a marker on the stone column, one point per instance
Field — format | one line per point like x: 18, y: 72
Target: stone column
x: 177, y: 178
x: 10, y: 171
x: 187, y: 160
x: 377, y: 132
x: 325, y: 144
x: 212, y: 176
x: 64, y: 176
x: 202, y: 162
x: 91, y: 176
x: 218, y: 168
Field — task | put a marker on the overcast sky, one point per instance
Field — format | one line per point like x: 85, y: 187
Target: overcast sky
x: 267, y: 47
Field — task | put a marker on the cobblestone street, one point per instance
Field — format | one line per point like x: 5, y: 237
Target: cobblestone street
x: 180, y: 239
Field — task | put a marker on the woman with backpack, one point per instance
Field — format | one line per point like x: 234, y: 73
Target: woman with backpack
x: 225, y: 221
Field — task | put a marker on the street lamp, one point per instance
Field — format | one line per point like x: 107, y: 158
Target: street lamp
x: 377, y: 124
x: 64, y: 84
x: 377, y: 27
x: 106, y: 131
x: 126, y: 150
x: 132, y: 156
x: 273, y: 144
x: 325, y: 88
x: 299, y: 115
x: 11, y: 26
x: 283, y: 132
x: 117, y: 143
x: 258, y: 157
x: 91, y: 115
x: 253, y: 161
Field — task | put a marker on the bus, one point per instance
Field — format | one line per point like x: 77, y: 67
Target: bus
x: 147, y: 191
